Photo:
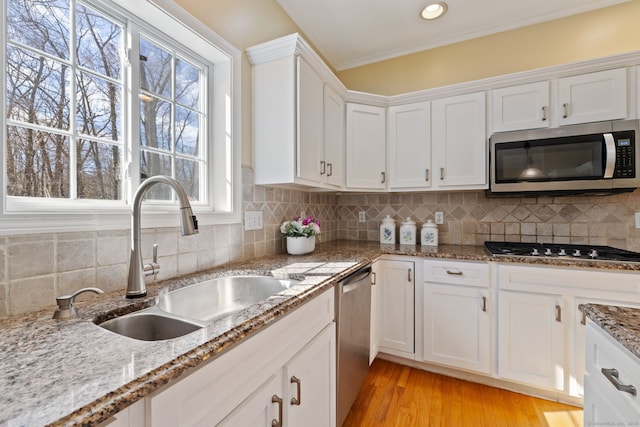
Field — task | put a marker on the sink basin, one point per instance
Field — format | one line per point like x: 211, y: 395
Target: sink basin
x: 220, y: 297
x: 149, y: 326
x: 188, y: 309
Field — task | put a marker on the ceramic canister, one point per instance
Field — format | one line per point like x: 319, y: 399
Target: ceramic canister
x: 388, y: 230
x: 408, y: 232
x: 429, y: 234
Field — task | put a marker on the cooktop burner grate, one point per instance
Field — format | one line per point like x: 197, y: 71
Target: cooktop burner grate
x: 558, y: 250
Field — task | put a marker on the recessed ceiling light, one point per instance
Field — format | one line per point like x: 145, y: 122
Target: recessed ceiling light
x: 433, y: 10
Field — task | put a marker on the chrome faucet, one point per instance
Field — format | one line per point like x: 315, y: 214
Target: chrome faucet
x: 189, y: 225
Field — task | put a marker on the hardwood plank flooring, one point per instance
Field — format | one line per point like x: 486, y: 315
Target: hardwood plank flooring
x: 399, y: 396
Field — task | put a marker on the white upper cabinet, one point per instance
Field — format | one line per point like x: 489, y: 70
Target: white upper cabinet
x: 459, y: 141
x: 365, y: 143
x: 332, y: 163
x: 593, y: 97
x: 310, y: 122
x: 409, y: 146
x: 298, y: 116
x: 521, y: 107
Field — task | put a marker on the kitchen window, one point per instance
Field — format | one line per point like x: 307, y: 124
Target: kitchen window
x: 98, y: 99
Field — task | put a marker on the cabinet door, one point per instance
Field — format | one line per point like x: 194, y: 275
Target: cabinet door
x: 365, y: 142
x: 521, y: 107
x: 396, y: 293
x: 457, y: 326
x: 262, y: 408
x: 310, y: 378
x: 531, y: 338
x: 310, y: 127
x: 593, y: 97
x: 333, y: 138
x: 459, y: 141
x: 409, y: 146
x: 374, y: 340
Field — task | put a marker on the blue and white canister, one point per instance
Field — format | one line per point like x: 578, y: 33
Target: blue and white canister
x: 408, y: 232
x: 429, y: 234
x: 388, y: 231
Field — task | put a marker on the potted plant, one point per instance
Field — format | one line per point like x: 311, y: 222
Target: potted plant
x: 301, y: 234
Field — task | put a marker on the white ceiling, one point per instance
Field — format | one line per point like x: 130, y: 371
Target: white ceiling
x: 350, y: 33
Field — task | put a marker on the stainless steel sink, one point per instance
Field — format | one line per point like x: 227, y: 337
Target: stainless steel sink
x: 188, y: 309
x: 217, y: 298
x: 149, y: 326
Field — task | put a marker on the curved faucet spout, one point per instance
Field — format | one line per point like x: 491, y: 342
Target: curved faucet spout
x: 188, y: 224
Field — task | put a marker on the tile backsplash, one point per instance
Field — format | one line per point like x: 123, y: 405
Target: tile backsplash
x: 470, y: 217
x: 67, y: 262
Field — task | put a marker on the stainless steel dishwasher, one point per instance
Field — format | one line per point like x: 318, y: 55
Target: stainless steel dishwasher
x: 353, y: 306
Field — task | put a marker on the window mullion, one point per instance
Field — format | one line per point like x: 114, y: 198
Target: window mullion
x: 73, y: 98
x: 132, y: 148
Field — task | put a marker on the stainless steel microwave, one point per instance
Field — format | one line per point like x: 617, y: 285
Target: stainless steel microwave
x: 592, y: 158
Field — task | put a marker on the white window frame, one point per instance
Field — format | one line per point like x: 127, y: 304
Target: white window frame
x: 224, y: 188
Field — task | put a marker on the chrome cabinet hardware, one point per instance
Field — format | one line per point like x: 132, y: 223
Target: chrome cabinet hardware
x: 565, y: 109
x: 544, y: 113
x: 441, y: 174
x: 614, y: 378
x: 426, y: 175
x: 384, y: 177
x: 455, y: 273
x: 296, y: 400
x: 278, y: 400
x: 558, y: 313
x: 323, y: 168
x: 408, y: 275
x: 66, y: 309
x: 330, y: 168
x: 484, y: 304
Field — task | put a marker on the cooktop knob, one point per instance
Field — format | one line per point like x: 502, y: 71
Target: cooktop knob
x: 593, y: 253
x: 577, y: 253
x: 548, y: 252
x: 562, y: 252
x: 535, y: 252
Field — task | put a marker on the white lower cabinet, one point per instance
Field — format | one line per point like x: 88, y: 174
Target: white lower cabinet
x: 457, y: 315
x: 395, y: 282
x: 297, y: 393
x: 243, y: 387
x: 611, y: 369
x: 531, y: 338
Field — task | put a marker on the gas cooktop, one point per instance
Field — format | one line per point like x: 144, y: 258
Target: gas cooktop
x: 557, y: 250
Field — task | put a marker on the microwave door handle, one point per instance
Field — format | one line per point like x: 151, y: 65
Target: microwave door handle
x: 610, y: 146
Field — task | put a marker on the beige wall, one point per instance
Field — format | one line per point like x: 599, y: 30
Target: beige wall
x: 589, y: 35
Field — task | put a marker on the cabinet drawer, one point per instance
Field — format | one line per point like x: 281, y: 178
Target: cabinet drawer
x: 603, y: 352
x: 456, y: 272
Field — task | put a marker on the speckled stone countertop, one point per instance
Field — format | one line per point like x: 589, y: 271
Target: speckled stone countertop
x: 73, y: 372
x: 622, y: 323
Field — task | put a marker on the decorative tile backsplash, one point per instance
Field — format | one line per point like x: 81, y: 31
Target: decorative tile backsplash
x: 70, y: 261
x: 470, y: 217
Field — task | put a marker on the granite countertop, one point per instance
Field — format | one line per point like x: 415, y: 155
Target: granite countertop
x: 72, y: 372
x: 622, y: 323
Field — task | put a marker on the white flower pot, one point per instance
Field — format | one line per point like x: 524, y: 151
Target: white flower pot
x: 300, y: 245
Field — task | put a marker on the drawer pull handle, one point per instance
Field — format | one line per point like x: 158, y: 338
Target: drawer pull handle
x: 454, y: 273
x: 296, y: 400
x: 278, y: 400
x: 612, y: 375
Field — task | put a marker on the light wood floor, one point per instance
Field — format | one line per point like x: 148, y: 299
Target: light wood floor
x: 400, y: 396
